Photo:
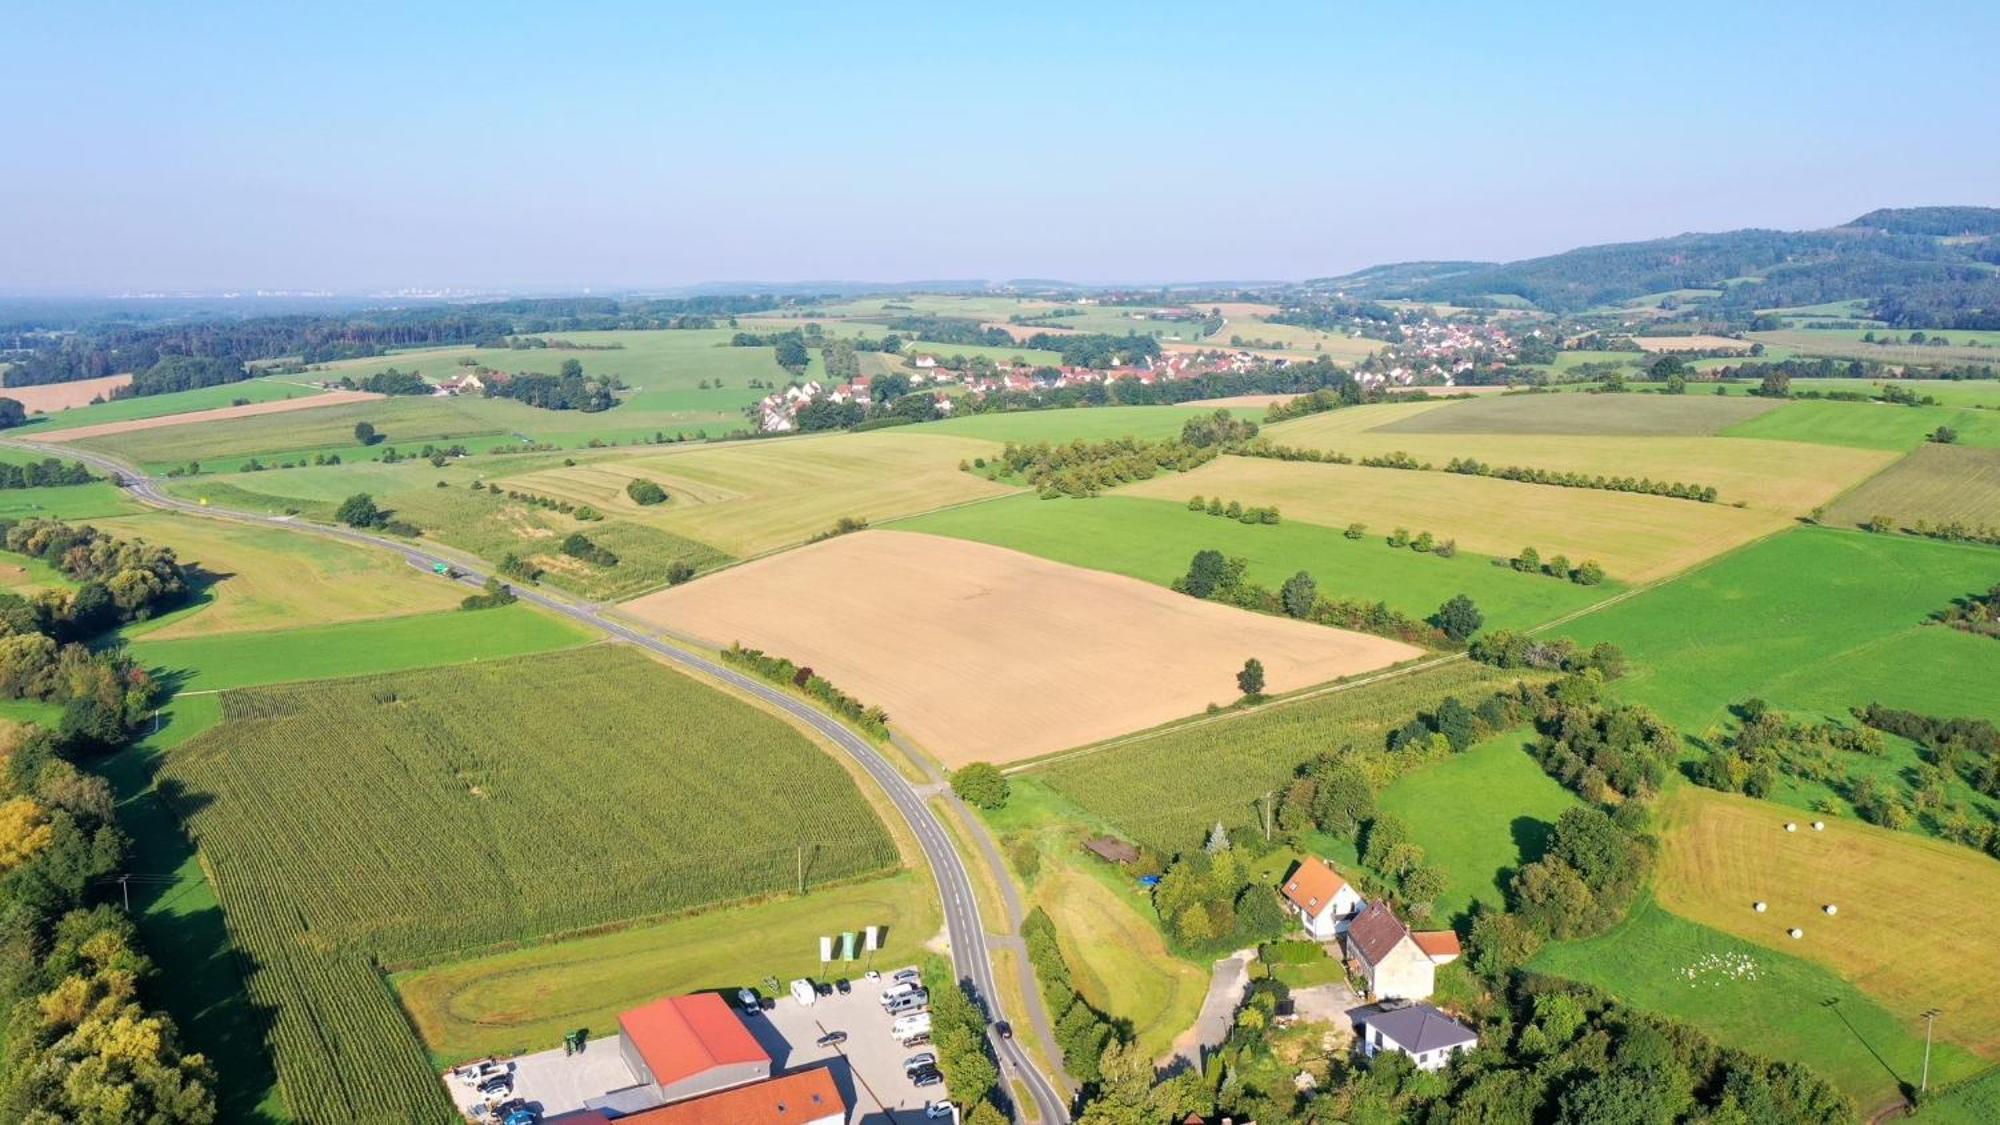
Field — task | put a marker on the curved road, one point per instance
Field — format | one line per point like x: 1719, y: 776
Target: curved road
x: 973, y: 960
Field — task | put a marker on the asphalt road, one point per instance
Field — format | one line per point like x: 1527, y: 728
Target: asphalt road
x: 969, y: 951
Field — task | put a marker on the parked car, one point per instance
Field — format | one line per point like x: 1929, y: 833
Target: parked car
x: 498, y: 1086
x: 1003, y: 1029
x: 920, y: 1039
x: 832, y: 1037
x: 938, y: 1109
x: 871, y: 975
x: 472, y: 1074
x: 918, y: 1062
x: 900, y: 988
x: 930, y: 1077
x: 748, y: 998
x: 842, y: 986
x: 908, y: 974
x: 521, y: 1115
x: 824, y: 988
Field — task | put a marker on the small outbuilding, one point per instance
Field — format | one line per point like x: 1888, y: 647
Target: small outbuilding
x: 1111, y: 850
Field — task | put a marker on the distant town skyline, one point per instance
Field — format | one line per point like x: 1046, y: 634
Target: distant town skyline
x: 622, y: 146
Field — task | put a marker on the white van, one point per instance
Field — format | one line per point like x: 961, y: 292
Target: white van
x: 899, y: 990
x: 920, y: 1023
x: 804, y: 993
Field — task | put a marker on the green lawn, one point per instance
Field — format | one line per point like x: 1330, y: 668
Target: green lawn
x: 359, y: 648
x: 1628, y: 414
x: 66, y: 502
x: 1154, y: 540
x: 1815, y: 619
x: 1767, y: 1002
x: 1868, y: 425
x: 1479, y: 815
x: 269, y: 389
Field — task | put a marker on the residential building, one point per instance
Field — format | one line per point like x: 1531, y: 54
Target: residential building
x: 1324, y: 901
x: 1396, y: 963
x: 1420, y: 1031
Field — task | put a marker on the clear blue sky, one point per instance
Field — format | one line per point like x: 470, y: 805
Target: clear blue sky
x: 358, y: 146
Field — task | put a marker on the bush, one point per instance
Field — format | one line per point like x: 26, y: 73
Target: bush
x: 645, y: 492
x: 359, y: 510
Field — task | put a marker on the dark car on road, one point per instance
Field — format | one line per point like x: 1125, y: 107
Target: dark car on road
x: 832, y: 1037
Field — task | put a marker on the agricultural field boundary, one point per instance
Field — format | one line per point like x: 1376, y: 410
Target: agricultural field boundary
x: 969, y: 951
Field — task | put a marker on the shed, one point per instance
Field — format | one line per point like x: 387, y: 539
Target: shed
x: 1111, y: 850
x: 686, y: 1046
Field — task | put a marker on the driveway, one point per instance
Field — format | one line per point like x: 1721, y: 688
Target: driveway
x: 1218, y: 1010
x: 1327, y: 1003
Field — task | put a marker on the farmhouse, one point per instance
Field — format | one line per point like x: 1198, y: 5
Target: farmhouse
x: 1325, y: 902
x: 466, y: 383
x: 1420, y: 1031
x: 686, y: 1046
x: 1396, y: 963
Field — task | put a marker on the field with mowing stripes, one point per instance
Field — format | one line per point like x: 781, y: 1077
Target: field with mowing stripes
x: 748, y: 498
x: 1636, y: 538
x: 1721, y: 853
x: 1629, y: 415
x: 412, y: 816
x: 1935, y: 482
x: 1866, y: 425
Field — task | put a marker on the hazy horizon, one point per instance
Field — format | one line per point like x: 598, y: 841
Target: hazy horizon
x: 630, y: 147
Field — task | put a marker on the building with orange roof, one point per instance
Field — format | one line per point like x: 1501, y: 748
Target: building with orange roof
x: 687, y: 1046
x: 805, y: 1097
x: 1324, y: 901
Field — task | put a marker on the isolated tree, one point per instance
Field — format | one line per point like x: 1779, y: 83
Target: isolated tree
x: 1459, y: 618
x: 792, y: 354
x: 1250, y: 681
x: 359, y: 510
x: 1342, y: 800
x: 364, y: 433
x: 1205, y: 573
x: 12, y: 413
x: 645, y: 492
x: 1218, y: 840
x: 1355, y: 530
x: 1944, y: 435
x: 980, y: 783
x: 1299, y: 594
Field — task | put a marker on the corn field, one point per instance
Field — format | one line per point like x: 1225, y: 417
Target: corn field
x: 393, y: 819
x: 1167, y: 790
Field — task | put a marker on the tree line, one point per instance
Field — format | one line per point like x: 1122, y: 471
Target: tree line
x: 48, y: 472
x: 779, y: 670
x: 1211, y: 576
x: 570, y: 389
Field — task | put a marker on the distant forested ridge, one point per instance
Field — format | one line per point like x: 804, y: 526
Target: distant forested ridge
x: 61, y: 352
x: 1921, y: 267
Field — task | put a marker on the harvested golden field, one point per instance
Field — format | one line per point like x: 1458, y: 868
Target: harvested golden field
x: 751, y: 497
x: 255, y: 578
x: 1691, y: 343
x: 50, y: 397
x: 280, y: 406
x: 1781, y: 476
x: 1636, y: 538
x: 985, y: 654
x: 1915, y: 920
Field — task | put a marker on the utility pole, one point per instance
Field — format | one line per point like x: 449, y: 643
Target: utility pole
x: 1268, y: 798
x: 1930, y: 1018
x: 799, y: 850
x: 125, y: 889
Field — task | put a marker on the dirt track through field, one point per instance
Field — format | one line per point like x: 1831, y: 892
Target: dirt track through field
x: 309, y: 402
x: 50, y: 397
x: 984, y: 654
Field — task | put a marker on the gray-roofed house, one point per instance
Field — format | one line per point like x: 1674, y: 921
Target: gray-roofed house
x: 1420, y: 1031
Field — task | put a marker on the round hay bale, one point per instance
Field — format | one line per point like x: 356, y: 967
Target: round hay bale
x: 1819, y: 826
x: 1791, y: 826
x: 1796, y: 933
x: 1760, y: 907
x: 1832, y: 909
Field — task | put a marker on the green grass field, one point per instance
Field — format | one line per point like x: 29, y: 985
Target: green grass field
x: 1863, y: 425
x: 1165, y: 789
x: 1635, y: 537
x: 94, y: 501
x: 424, y: 814
x: 1812, y: 620
x: 233, y: 660
x: 525, y: 999
x: 253, y: 578
x: 1935, y: 482
x: 406, y: 423
x: 1603, y: 415
x: 1479, y: 816
x: 273, y: 388
x: 1964, y: 347
x: 1154, y: 540
x: 1768, y: 1002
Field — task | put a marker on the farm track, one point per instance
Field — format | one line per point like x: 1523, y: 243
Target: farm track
x: 967, y: 934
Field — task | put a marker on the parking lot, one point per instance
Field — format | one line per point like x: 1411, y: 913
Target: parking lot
x: 867, y: 1066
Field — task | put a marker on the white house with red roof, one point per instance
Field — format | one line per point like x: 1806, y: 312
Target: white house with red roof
x: 1324, y: 901
x: 1398, y: 964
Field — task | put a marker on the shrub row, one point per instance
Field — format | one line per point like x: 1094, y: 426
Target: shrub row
x: 1234, y: 510
x: 1585, y: 573
x: 780, y: 670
